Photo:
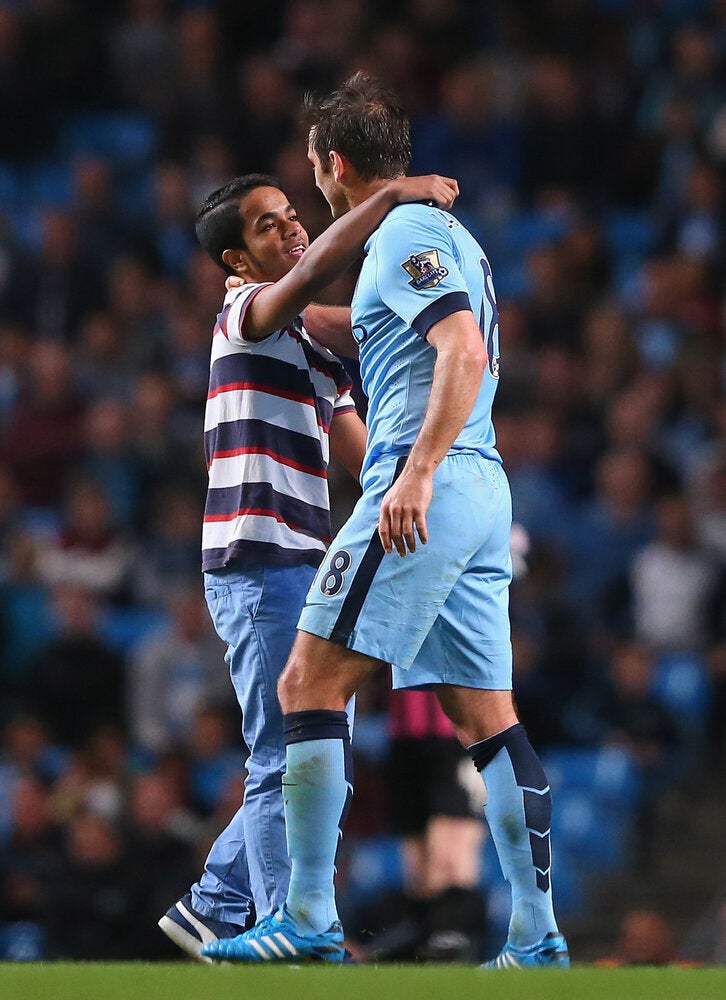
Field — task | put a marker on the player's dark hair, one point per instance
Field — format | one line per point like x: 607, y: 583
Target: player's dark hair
x: 218, y: 224
x: 363, y: 121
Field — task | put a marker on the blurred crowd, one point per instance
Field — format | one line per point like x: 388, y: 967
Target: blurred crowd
x: 589, y: 141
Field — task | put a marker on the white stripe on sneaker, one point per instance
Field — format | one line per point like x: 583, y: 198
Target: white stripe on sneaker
x: 259, y: 949
x: 202, y: 930
x: 269, y: 943
x: 183, y: 939
x: 288, y: 944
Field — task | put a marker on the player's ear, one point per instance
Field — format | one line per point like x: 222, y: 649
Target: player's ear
x: 236, y: 260
x: 338, y: 164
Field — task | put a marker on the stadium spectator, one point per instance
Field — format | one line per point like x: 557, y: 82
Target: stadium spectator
x: 171, y: 551
x: 606, y: 532
x: 75, y: 681
x: 467, y: 135
x: 707, y: 486
x: 109, y: 462
x: 96, y: 883
x: 140, y: 46
x: 107, y: 363
x: 59, y: 280
x: 106, y: 231
x: 645, y: 938
x: 706, y: 942
x: 673, y: 583
x: 133, y: 301
x: 173, y: 673
x: 624, y: 710
x: 30, y: 861
x: 156, y: 845
x: 214, y: 756
x: 42, y: 437
x: 89, y: 551
x: 265, y: 122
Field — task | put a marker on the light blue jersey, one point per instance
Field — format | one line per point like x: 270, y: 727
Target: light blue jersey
x: 439, y: 615
x: 421, y: 265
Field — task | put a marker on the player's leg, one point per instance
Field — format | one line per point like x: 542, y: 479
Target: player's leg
x: 518, y: 802
x: 273, y: 623
x: 314, y: 689
x: 519, y: 811
x: 375, y: 609
x: 472, y: 637
x: 317, y: 790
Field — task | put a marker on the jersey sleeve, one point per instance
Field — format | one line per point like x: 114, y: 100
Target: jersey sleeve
x: 230, y: 322
x: 416, y: 271
x: 334, y: 367
x: 344, y: 402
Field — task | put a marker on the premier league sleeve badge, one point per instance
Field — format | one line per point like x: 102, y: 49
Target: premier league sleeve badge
x: 425, y: 269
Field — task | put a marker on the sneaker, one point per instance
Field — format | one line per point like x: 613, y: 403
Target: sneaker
x: 189, y: 929
x: 448, y: 946
x: 550, y: 951
x: 276, y: 939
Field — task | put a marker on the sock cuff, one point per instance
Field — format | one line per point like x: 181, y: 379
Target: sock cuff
x: 486, y: 750
x: 318, y: 724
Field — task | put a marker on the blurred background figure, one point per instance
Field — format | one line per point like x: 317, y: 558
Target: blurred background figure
x: 95, y: 882
x: 645, y: 938
x: 436, y: 805
x: 174, y: 673
x: 76, y: 681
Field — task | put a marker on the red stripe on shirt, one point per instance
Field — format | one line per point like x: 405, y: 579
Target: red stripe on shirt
x: 258, y: 512
x: 258, y: 387
x: 233, y: 453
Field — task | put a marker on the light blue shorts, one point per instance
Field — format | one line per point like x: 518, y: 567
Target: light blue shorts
x: 439, y: 615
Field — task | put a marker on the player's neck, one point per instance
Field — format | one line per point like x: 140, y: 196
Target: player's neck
x: 362, y: 190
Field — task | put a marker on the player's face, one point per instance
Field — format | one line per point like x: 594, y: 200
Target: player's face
x: 275, y: 241
x: 325, y: 181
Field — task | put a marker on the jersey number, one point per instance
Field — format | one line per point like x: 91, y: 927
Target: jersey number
x: 490, y: 329
x: 332, y: 582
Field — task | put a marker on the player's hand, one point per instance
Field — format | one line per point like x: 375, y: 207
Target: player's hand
x: 403, y: 512
x: 442, y: 191
x: 233, y: 281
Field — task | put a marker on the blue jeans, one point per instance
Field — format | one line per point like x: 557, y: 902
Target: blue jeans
x: 255, y: 612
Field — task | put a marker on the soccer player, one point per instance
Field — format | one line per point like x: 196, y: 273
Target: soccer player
x: 419, y: 575
x: 277, y: 400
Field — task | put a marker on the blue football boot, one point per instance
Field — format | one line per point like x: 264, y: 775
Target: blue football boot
x: 550, y: 952
x: 276, y: 939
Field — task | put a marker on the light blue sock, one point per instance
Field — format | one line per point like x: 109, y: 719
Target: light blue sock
x: 519, y: 812
x: 317, y: 789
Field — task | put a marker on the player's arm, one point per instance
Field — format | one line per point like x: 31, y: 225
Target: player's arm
x: 332, y: 253
x: 330, y: 326
x: 348, y: 441
x: 461, y: 360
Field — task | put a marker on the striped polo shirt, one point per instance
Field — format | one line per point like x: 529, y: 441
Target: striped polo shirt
x: 268, y: 413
